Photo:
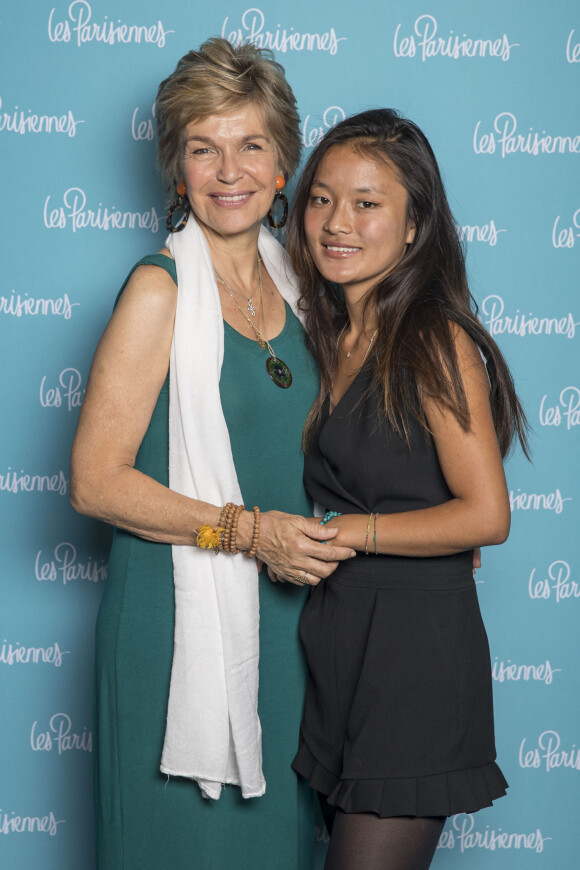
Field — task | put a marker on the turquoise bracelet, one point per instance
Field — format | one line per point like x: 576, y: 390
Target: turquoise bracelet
x: 328, y: 516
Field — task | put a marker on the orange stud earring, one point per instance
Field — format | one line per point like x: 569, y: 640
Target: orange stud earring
x: 182, y: 188
x: 280, y: 182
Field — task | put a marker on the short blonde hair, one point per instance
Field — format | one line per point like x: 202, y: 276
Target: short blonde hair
x: 216, y: 79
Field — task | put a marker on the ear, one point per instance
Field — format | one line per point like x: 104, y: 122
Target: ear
x: 411, y: 232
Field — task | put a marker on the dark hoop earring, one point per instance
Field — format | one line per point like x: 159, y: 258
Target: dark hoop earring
x: 180, y: 203
x: 283, y: 199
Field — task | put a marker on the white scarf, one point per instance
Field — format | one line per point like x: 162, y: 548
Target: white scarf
x: 213, y: 732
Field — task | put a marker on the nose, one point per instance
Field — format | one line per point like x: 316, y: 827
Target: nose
x: 337, y: 219
x: 229, y: 170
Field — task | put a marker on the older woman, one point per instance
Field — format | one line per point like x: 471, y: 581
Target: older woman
x: 169, y: 460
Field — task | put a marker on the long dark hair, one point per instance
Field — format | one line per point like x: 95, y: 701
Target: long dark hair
x: 414, y: 305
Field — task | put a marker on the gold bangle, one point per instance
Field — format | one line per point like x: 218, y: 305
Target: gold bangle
x: 367, y: 536
x: 375, y: 534
x: 255, y: 535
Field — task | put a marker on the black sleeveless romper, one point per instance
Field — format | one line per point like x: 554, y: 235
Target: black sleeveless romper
x: 398, y: 715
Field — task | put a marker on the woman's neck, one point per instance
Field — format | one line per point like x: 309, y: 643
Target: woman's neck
x: 235, y: 257
x: 361, y: 321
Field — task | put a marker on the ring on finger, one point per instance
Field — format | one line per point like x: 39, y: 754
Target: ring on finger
x: 302, y: 579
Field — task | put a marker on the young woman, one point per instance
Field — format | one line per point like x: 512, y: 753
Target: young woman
x: 404, y: 449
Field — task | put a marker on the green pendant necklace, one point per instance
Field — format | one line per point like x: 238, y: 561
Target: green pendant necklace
x: 277, y: 369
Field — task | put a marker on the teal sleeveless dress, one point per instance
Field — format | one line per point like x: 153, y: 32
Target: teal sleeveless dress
x: 147, y: 821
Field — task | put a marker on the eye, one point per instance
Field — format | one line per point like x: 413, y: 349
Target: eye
x: 197, y: 152
x: 366, y: 203
x: 253, y: 146
x: 319, y: 200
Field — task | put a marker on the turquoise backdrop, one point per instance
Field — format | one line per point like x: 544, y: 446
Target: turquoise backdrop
x: 496, y: 87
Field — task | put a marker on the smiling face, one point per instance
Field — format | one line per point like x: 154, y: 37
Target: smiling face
x: 356, y: 222
x: 230, y: 165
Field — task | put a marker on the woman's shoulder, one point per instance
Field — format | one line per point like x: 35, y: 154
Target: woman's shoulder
x: 160, y: 260
x: 152, y: 279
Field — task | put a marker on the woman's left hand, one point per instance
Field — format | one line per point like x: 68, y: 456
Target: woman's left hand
x: 297, y: 549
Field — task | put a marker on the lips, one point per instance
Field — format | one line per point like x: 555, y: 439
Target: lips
x: 339, y: 252
x: 231, y: 198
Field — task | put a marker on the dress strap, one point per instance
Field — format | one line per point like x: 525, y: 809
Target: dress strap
x: 161, y: 260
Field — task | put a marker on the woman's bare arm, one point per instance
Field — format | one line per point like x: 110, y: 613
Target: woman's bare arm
x: 128, y: 371
x: 478, y: 513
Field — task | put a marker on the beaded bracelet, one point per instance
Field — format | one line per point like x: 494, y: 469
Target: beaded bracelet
x: 234, y: 532
x: 208, y: 538
x: 224, y: 513
x: 255, y: 535
x: 228, y: 516
x: 328, y: 516
x: 224, y: 537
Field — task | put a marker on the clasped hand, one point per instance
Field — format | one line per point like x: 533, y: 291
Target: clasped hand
x: 292, y: 547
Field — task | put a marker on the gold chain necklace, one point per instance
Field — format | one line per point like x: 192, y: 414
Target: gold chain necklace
x: 277, y: 369
x: 371, y: 340
x: 251, y: 306
x: 373, y: 336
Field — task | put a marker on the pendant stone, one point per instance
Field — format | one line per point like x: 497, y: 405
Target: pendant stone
x: 251, y: 308
x: 279, y: 372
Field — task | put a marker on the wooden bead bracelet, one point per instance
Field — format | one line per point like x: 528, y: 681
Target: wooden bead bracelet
x: 224, y: 537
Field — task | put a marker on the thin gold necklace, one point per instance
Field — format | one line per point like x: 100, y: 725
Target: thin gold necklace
x: 251, y: 306
x: 371, y: 340
x: 373, y: 336
x: 277, y: 369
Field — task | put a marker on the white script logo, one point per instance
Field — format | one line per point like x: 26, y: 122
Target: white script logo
x: 282, y: 40
x: 14, y: 482
x: 522, y: 325
x: 486, y: 233
x: 29, y: 306
x: 73, y: 213
x: 452, y: 46
x: 81, y: 29
x: 572, y: 49
x: 510, y: 672
x: 537, y: 501
x: 462, y: 833
x: 505, y: 139
x: 565, y: 237
x: 557, y: 584
x: 548, y: 754
x: 60, y: 736
x: 17, y: 121
x: 16, y: 654
x: 67, y: 393
x: 66, y: 567
x: 566, y: 410
x: 13, y: 824
x: 144, y: 129
x: 312, y: 133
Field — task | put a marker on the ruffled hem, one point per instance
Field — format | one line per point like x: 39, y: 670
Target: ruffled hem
x: 443, y: 794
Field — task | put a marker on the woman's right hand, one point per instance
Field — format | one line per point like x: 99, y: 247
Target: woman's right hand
x: 292, y: 547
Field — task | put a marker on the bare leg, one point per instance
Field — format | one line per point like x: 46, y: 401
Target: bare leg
x: 363, y: 841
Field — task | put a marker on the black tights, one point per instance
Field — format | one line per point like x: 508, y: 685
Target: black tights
x: 363, y: 841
